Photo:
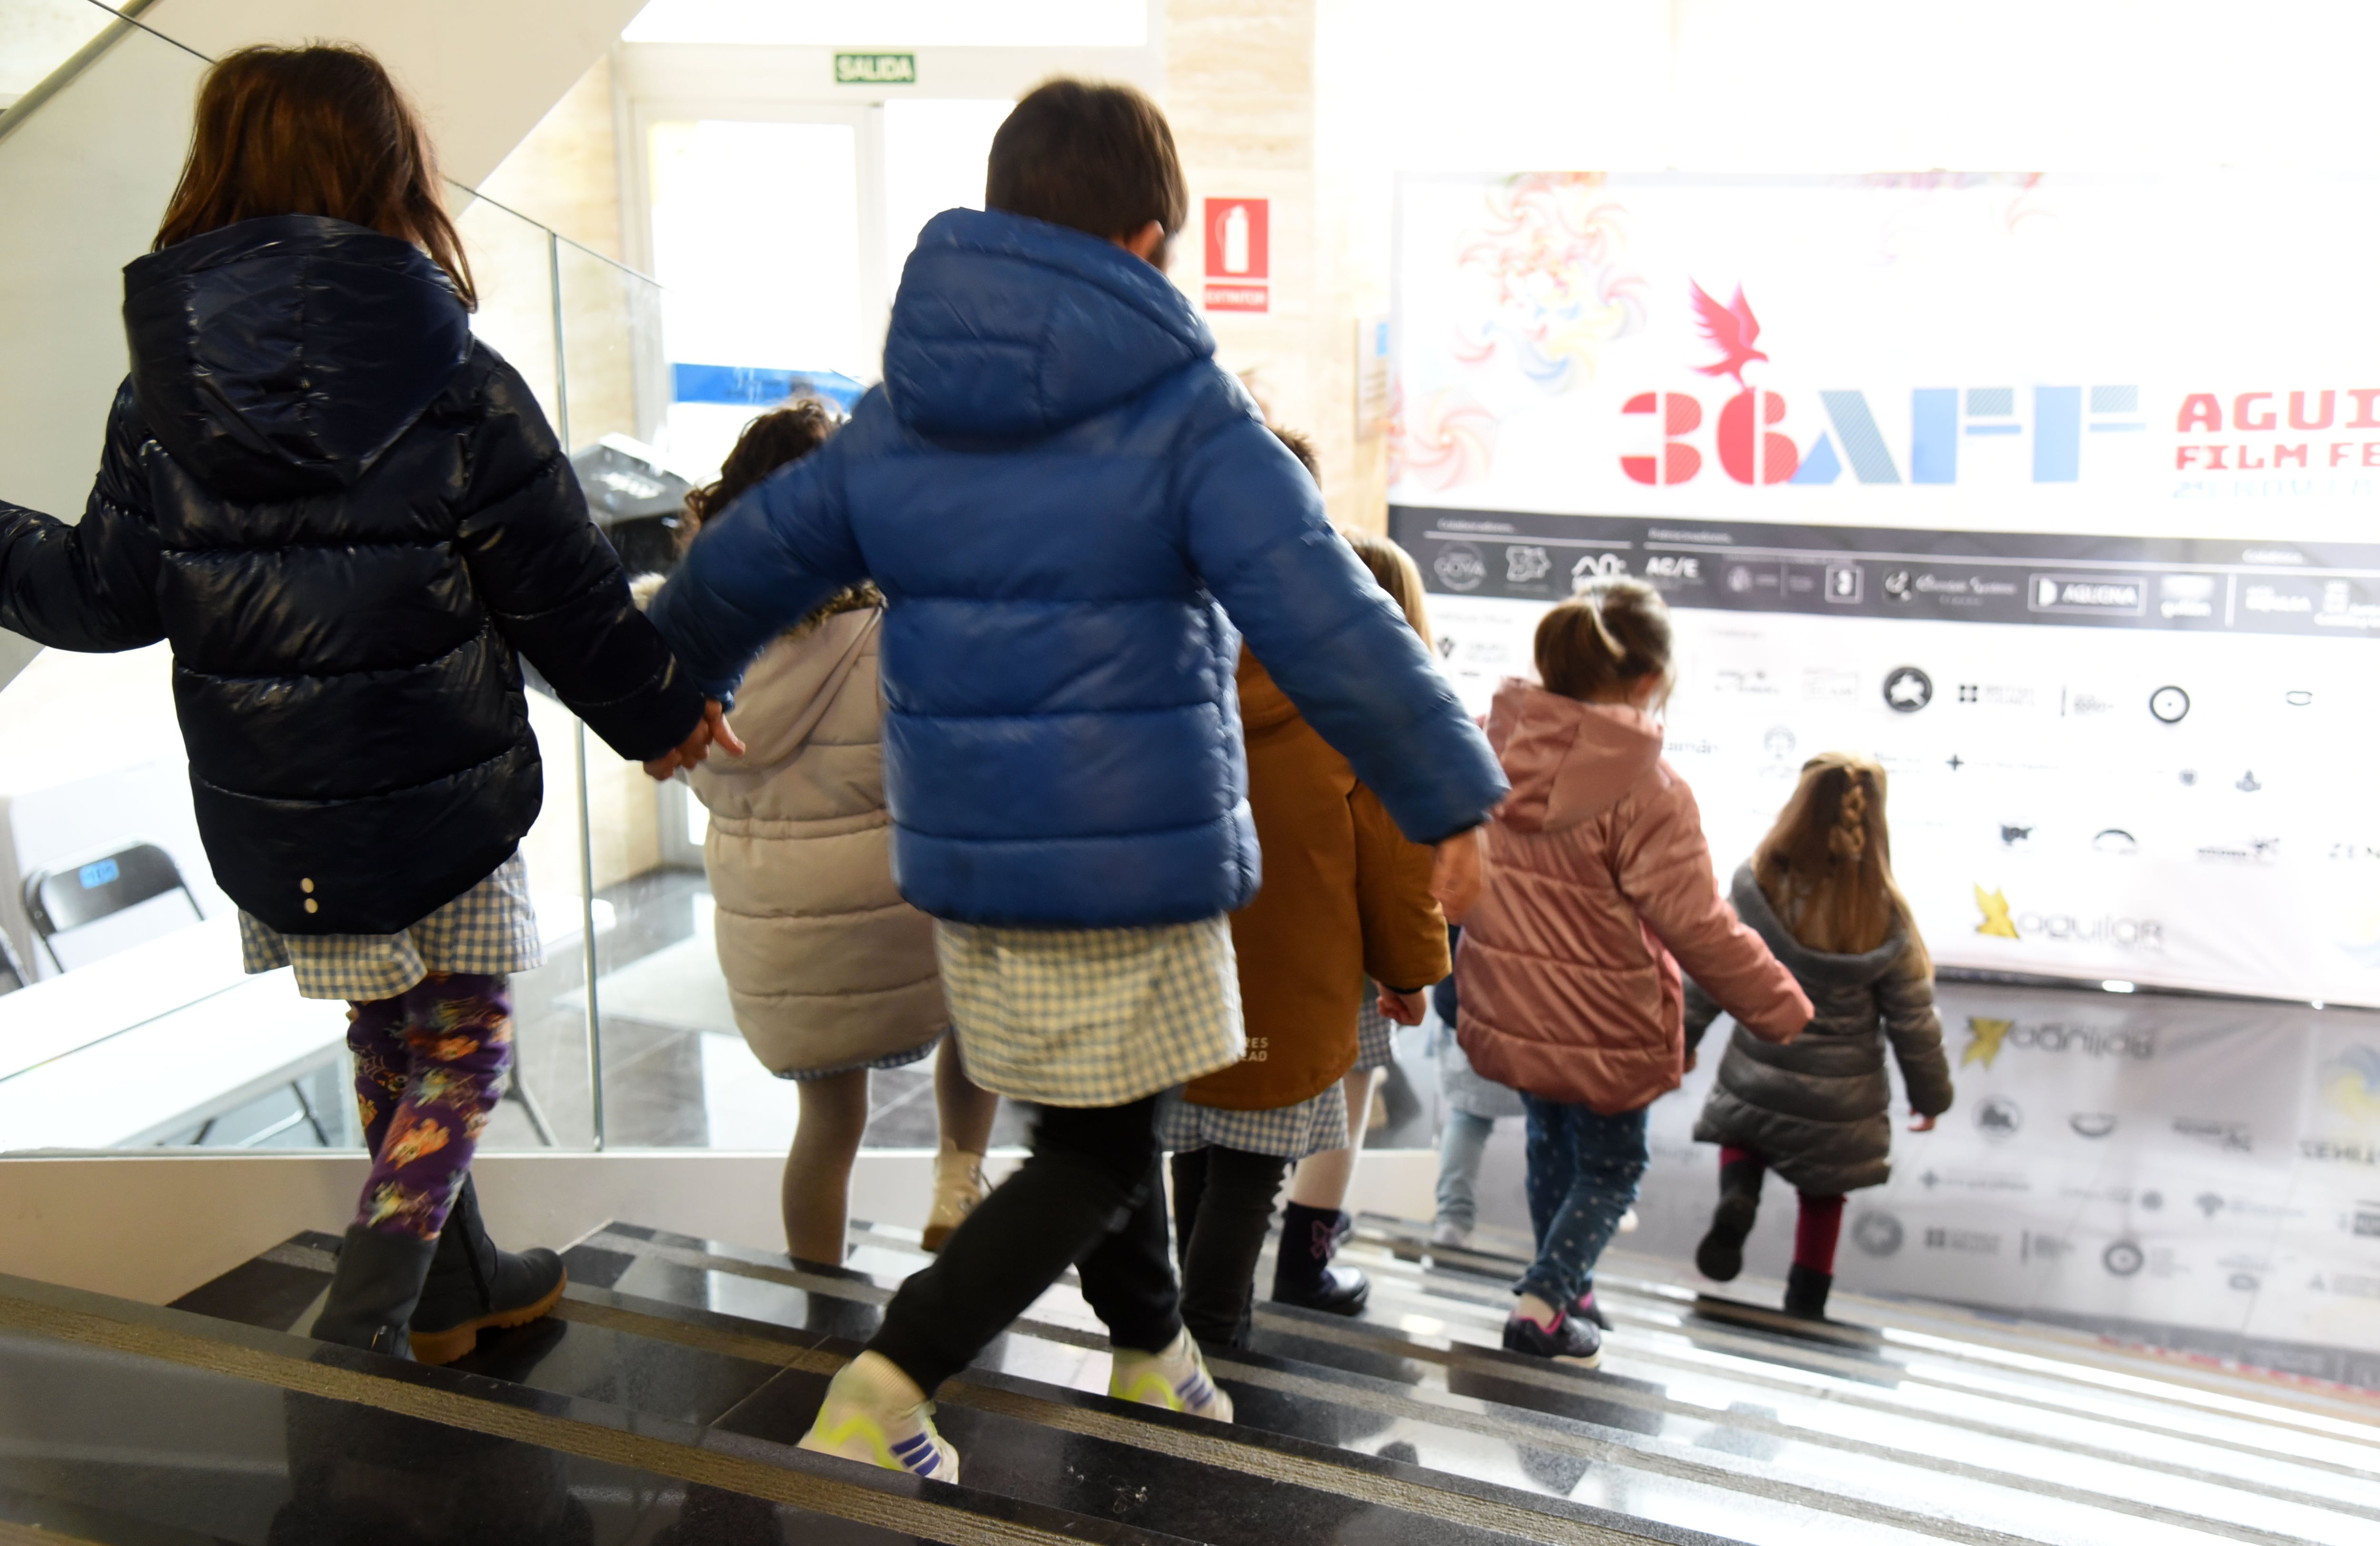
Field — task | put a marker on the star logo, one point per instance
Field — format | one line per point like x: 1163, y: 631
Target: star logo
x: 1995, y: 908
x: 1983, y: 1039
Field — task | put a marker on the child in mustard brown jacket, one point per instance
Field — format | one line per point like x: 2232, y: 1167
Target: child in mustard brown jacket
x: 1345, y: 897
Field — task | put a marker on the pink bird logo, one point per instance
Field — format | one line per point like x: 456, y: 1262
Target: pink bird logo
x: 1731, y: 330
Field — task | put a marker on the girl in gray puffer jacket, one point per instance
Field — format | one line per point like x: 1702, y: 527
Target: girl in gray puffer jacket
x: 1819, y: 891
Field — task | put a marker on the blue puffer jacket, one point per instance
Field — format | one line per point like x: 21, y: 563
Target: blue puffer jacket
x: 1061, y: 496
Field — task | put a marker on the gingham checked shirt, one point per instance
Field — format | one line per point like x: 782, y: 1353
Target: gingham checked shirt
x: 488, y: 930
x: 1092, y: 1016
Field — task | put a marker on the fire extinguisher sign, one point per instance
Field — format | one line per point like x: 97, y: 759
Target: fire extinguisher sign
x: 1238, y: 255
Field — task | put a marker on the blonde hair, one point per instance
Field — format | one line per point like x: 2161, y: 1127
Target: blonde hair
x: 1827, y: 865
x: 1394, y: 570
x: 1613, y: 633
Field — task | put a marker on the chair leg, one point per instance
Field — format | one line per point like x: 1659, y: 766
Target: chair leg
x: 515, y: 1089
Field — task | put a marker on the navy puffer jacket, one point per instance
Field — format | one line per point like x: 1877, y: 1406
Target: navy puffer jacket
x: 1061, y: 495
x: 348, y: 516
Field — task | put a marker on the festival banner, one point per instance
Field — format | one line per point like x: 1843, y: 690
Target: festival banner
x: 2056, y: 495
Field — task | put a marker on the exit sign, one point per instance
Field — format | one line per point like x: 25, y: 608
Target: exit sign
x: 876, y: 70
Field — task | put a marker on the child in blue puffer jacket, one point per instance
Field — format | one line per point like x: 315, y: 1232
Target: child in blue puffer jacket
x: 1059, y: 495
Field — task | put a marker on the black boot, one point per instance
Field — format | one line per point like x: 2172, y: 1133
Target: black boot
x: 1806, y: 1291
x: 374, y: 1291
x: 1302, y: 1273
x: 472, y: 1284
x: 1721, y: 1255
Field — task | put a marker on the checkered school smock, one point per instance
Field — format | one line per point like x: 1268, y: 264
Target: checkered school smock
x: 1091, y: 1017
x: 490, y: 930
x: 1375, y: 1035
x: 1314, y: 1125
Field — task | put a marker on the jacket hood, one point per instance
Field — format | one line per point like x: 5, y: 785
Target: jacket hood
x: 1568, y: 761
x: 1009, y: 328
x: 791, y: 687
x: 280, y: 357
x: 1814, y: 968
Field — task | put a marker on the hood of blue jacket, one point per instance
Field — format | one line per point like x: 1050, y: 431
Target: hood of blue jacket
x: 279, y: 356
x: 1009, y: 328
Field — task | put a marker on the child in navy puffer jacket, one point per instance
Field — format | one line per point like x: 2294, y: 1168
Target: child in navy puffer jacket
x: 1060, y: 492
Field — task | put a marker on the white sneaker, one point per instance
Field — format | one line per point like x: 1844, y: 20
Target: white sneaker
x: 1452, y: 1235
x: 876, y: 1414
x: 1175, y: 1379
x: 958, y: 1187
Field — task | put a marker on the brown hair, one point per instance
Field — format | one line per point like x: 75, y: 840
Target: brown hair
x: 1612, y: 634
x: 775, y: 439
x: 1393, y: 568
x: 1096, y: 157
x: 1827, y: 865
x: 314, y: 130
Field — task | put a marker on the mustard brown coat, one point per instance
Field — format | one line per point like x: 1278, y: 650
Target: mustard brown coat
x: 1345, y: 896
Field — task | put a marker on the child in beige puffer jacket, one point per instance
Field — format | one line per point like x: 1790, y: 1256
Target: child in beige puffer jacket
x: 831, y: 973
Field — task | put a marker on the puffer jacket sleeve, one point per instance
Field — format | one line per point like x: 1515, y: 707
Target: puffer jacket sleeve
x: 553, y: 585
x: 1664, y: 870
x: 1701, y: 1011
x: 1905, y: 997
x: 92, y: 586
x: 759, y: 567
x: 1404, y: 933
x: 1336, y: 645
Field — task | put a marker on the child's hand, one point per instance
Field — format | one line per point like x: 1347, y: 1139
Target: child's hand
x: 1920, y: 1122
x: 1405, y: 1009
x: 1693, y: 1057
x: 713, y: 727
x: 1460, y: 872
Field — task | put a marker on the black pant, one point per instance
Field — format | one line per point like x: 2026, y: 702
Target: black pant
x: 1222, y: 1210
x: 1091, y: 1195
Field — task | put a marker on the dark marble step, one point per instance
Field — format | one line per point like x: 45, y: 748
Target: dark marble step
x: 126, y: 1424
x: 1882, y: 1479
x: 762, y: 1372
x: 1698, y: 1478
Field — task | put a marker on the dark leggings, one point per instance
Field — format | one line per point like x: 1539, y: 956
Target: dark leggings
x: 1818, y: 1227
x: 1090, y: 1196
x: 1222, y: 1210
x: 430, y: 1066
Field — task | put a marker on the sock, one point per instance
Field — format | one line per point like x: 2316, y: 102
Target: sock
x: 1531, y: 1307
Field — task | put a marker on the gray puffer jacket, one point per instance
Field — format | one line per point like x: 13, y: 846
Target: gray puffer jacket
x: 1819, y: 1108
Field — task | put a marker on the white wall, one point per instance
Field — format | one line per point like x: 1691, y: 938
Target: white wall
x: 152, y: 1227
x: 86, y: 176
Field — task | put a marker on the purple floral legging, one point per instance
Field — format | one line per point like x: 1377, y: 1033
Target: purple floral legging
x: 430, y: 1066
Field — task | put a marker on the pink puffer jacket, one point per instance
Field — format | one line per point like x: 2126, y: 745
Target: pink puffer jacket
x: 1600, y: 883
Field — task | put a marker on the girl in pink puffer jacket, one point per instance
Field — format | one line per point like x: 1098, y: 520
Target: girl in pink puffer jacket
x: 1600, y: 885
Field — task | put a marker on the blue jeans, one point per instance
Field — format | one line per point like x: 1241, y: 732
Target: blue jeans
x: 1459, y: 1155
x: 1584, y: 1168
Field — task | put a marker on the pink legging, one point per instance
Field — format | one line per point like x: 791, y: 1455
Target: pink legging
x: 1817, y: 1229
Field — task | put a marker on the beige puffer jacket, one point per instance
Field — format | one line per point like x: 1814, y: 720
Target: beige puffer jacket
x: 828, y: 969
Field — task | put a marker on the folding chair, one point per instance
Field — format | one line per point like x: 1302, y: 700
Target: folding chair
x: 69, y: 896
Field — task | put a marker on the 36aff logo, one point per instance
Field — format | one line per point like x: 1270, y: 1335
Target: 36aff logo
x: 1666, y: 443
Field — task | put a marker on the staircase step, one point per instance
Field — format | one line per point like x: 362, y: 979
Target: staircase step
x: 129, y: 1424
x: 1776, y: 1460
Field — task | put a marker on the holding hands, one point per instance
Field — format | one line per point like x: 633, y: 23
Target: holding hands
x: 713, y: 728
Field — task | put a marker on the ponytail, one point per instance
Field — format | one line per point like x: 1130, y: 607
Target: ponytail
x: 1597, y: 645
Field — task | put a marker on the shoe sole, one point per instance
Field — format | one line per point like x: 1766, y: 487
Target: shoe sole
x: 444, y: 1347
x: 937, y: 1236
x: 1592, y: 1361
